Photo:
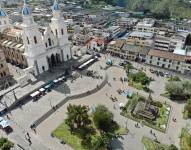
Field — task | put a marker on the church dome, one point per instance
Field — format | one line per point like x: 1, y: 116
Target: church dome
x: 26, y: 10
x: 56, y: 6
x: 2, y: 13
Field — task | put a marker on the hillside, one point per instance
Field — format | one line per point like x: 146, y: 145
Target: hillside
x: 171, y: 8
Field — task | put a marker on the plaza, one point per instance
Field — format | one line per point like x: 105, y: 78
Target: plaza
x: 26, y: 115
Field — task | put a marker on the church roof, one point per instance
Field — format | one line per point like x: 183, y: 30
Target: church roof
x: 26, y: 10
x: 56, y: 6
x: 2, y: 13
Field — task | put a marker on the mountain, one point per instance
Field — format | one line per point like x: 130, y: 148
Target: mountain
x: 170, y: 8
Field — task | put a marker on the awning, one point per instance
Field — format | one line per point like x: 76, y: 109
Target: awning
x: 55, y: 81
x: 19, y: 45
x: 35, y: 94
x: 42, y: 90
x: 5, y: 42
x: 22, y: 48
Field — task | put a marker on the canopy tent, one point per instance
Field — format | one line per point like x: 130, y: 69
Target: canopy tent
x: 4, y: 124
x: 109, y: 62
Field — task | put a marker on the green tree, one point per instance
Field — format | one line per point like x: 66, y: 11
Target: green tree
x: 172, y: 147
x: 174, y: 78
x: 5, y: 144
x: 128, y: 67
x: 103, y: 118
x: 77, y: 117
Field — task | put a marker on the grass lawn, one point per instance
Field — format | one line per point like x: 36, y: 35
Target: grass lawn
x: 63, y: 133
x: 136, y: 85
x: 149, y: 144
x: 185, y: 140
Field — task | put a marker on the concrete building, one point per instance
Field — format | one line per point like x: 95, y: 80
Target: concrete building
x: 141, y: 38
x: 168, y: 60
x: 33, y: 47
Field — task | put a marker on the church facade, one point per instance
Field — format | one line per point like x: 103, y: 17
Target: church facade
x: 32, y: 47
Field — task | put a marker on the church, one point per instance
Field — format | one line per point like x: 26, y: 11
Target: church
x: 31, y: 47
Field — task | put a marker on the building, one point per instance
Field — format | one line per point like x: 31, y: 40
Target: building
x: 140, y: 38
x: 35, y: 48
x: 168, y: 60
x: 114, y: 31
x: 127, y: 23
x: 162, y: 43
x: 5, y: 78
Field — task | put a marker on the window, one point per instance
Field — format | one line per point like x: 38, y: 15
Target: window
x: 178, y: 63
x: 164, y: 59
x: 151, y: 57
x: 157, y: 63
x: 177, y: 67
x: 46, y: 44
x: 56, y: 32
x: 1, y: 74
x: 150, y: 61
x: 158, y: 58
x: 49, y: 42
x: 4, y: 73
x: 62, y: 31
x: 1, y: 65
x: 170, y: 61
x: 35, y: 40
x: 28, y: 40
x: 168, y: 66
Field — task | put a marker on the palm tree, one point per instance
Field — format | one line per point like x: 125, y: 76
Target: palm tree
x: 128, y: 67
x: 77, y: 117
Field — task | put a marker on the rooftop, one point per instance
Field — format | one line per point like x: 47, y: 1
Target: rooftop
x: 167, y: 55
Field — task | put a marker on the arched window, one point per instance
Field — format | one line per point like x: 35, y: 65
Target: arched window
x: 28, y: 40
x: 49, y: 42
x: 56, y: 32
x: 35, y: 40
x: 62, y: 31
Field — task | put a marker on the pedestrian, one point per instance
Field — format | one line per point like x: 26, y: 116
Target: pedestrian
x: 8, y: 117
x: 151, y: 131
x: 34, y: 129
x: 28, y: 135
x: 30, y: 142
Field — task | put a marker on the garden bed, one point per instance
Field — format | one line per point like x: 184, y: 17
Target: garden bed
x: 150, y: 144
x: 161, y: 121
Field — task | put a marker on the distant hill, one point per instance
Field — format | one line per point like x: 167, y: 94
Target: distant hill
x: 169, y: 8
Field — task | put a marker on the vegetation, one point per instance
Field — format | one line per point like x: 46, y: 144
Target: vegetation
x: 187, y: 110
x: 139, y: 80
x: 88, y: 132
x: 161, y: 121
x: 185, y: 140
x: 161, y: 8
x: 155, y: 145
x: 174, y: 78
x: 5, y: 144
x: 178, y: 90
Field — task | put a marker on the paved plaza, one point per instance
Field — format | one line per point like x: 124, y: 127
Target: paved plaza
x: 23, y: 117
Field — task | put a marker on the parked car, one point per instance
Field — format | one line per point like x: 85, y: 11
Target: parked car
x: 98, y: 55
